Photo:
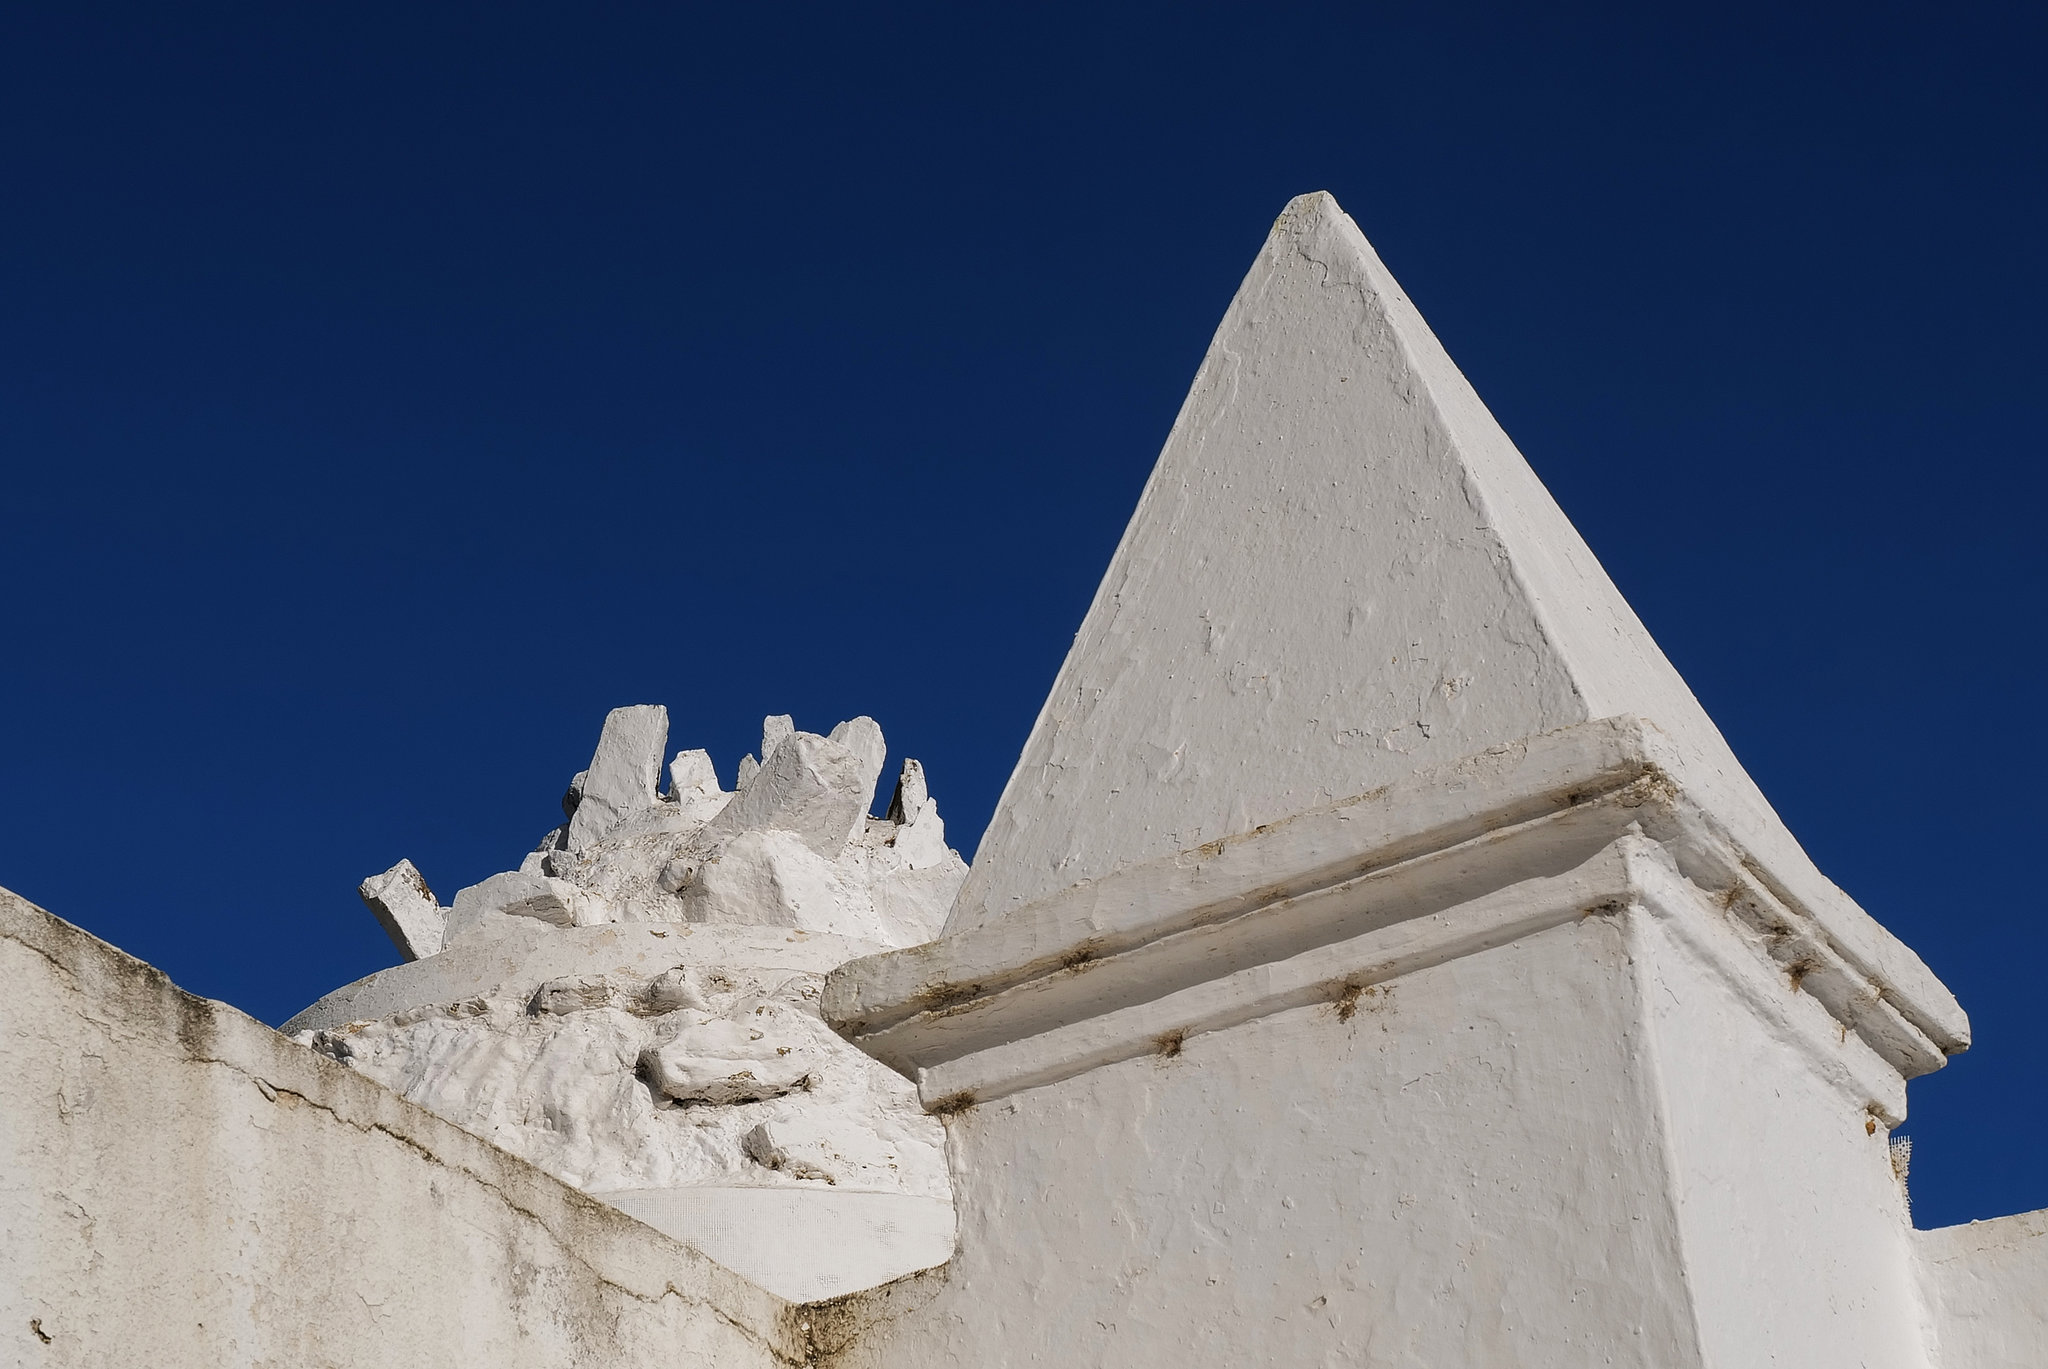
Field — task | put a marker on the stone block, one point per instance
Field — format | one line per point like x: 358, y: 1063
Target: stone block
x: 624, y: 774
x: 921, y: 843
x: 692, y: 774
x: 811, y: 786
x: 407, y: 910
x: 863, y: 737
x: 676, y: 988
x: 760, y: 878
x: 911, y: 793
x: 556, y: 902
x: 575, y: 993
x: 798, y: 1151
x: 726, y: 1060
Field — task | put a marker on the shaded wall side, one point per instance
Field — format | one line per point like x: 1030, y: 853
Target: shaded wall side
x: 1795, y: 1231
x: 174, y: 1175
x: 1986, y: 1286
x: 1466, y: 1170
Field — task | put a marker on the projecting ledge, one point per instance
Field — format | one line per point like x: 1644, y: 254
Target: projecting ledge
x: 1323, y: 905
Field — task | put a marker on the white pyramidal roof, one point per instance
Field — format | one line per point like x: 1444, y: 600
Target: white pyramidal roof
x: 1340, y: 572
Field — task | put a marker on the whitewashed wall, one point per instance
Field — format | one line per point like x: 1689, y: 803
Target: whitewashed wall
x: 181, y: 1186
x: 1987, y: 1289
x: 1622, y: 1139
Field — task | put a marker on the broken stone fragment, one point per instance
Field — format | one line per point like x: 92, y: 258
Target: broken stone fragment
x: 732, y: 1060
x: 921, y: 843
x: 774, y: 728
x: 535, y: 862
x: 863, y: 737
x: 676, y: 988
x: 691, y: 775
x: 810, y: 786
x: 575, y: 993
x: 765, y: 879
x: 678, y: 874
x: 793, y: 1149
x: 911, y: 795
x: 624, y: 774
x: 749, y: 767
x: 513, y: 894
x: 407, y: 910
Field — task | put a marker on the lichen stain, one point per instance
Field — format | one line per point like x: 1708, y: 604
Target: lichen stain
x: 952, y: 1104
x: 1353, y: 997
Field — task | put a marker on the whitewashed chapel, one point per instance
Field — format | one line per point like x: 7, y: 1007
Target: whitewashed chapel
x: 1377, y: 958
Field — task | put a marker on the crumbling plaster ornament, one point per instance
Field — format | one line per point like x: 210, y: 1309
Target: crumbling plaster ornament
x: 634, y: 1009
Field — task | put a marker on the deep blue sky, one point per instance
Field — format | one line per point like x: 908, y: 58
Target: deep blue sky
x: 386, y: 392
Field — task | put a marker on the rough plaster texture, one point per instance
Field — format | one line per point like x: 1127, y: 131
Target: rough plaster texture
x: 180, y: 1185
x: 634, y: 1008
x: 1986, y: 1286
x: 1428, y: 1182
x: 1604, y: 1127
x: 1796, y: 1238
x: 1340, y: 571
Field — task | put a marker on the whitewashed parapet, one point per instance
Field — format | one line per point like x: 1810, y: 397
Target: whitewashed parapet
x: 185, y: 1186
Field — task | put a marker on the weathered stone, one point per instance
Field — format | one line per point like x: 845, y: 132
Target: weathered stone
x: 764, y: 878
x: 407, y: 910
x: 810, y: 786
x: 678, y: 874
x: 722, y: 1060
x: 863, y: 737
x: 576, y: 993
x: 921, y: 843
x: 691, y: 774
x: 676, y: 988
x: 513, y: 894
x: 910, y: 796
x: 624, y: 774
x: 801, y: 1154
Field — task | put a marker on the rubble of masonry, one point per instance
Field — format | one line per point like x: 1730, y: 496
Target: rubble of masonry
x: 713, y: 1068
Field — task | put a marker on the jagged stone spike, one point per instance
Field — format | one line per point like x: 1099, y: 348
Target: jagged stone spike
x: 624, y: 774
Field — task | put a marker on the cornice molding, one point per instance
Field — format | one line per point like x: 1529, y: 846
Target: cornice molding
x: 1327, y: 903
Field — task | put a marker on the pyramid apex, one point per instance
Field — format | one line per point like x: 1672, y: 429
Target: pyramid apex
x: 1305, y: 210
x: 1341, y: 572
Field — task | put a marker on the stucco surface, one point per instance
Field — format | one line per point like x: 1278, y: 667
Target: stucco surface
x: 1986, y: 1285
x: 1794, y: 1228
x: 180, y: 1185
x: 1592, y: 1117
x: 1438, y: 1178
